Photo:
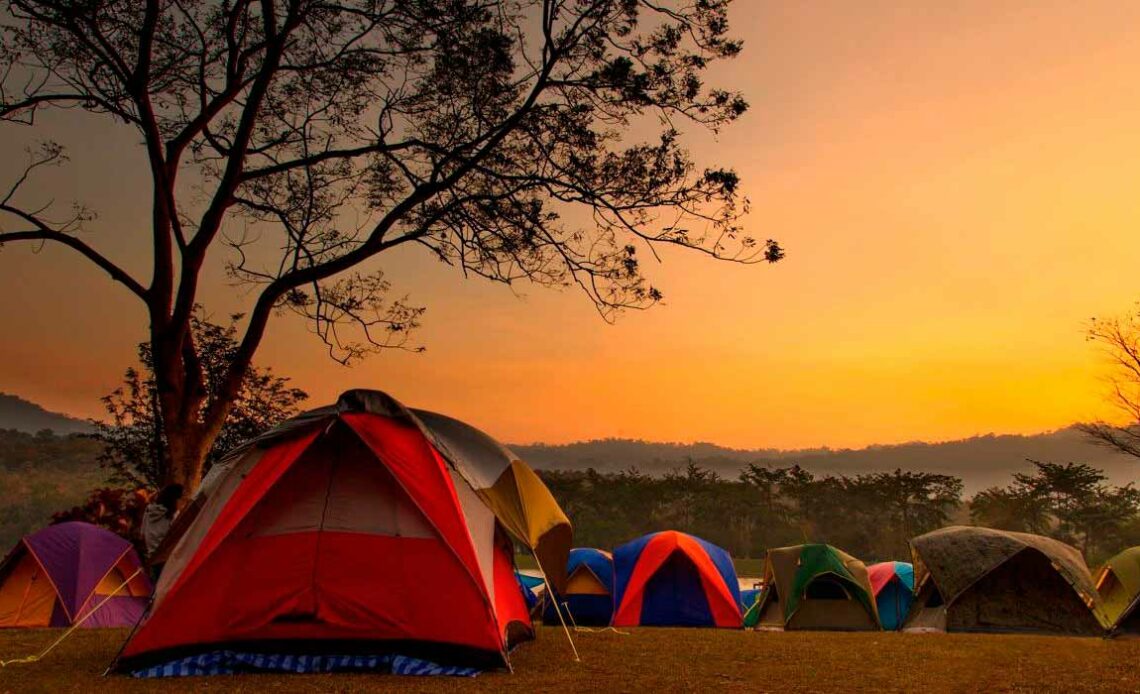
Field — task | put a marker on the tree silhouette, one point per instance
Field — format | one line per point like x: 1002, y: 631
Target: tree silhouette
x: 1120, y: 338
x: 871, y: 515
x: 1070, y: 502
x: 134, y: 444
x: 477, y: 130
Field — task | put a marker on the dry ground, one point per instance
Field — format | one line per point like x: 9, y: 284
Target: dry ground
x: 647, y: 661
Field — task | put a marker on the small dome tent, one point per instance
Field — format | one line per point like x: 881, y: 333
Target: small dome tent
x: 892, y: 582
x: 1118, y: 584
x: 532, y: 588
x: 327, y: 543
x: 673, y: 579
x: 816, y: 586
x: 72, y: 572
x: 984, y: 580
x: 589, y: 596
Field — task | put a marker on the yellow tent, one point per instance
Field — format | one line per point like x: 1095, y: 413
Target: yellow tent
x: 1118, y: 583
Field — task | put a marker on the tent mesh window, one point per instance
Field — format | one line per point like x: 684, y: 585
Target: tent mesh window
x: 826, y: 587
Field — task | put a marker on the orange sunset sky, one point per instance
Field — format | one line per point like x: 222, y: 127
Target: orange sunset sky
x: 956, y: 184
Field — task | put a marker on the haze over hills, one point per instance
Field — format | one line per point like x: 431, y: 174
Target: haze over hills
x: 23, y: 415
x: 981, y: 461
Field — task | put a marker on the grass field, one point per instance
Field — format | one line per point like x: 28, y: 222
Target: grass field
x: 654, y: 660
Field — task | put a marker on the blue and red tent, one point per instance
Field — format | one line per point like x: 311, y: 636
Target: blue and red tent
x: 589, y: 596
x: 529, y: 585
x: 673, y: 579
x: 893, y: 585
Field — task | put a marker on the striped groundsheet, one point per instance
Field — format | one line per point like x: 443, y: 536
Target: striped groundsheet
x: 227, y: 662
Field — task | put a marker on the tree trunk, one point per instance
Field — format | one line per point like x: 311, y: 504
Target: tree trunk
x: 191, y: 417
x: 188, y: 451
x: 181, y: 396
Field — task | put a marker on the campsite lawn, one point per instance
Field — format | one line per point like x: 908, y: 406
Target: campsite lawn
x: 647, y: 661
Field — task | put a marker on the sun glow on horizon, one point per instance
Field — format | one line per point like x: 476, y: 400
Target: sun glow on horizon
x: 956, y: 189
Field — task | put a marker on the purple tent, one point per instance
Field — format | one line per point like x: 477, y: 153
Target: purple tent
x: 61, y: 574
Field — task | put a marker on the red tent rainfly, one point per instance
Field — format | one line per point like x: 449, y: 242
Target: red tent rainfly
x: 344, y: 531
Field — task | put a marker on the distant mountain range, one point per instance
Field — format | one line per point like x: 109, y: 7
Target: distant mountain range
x: 22, y: 415
x: 981, y: 461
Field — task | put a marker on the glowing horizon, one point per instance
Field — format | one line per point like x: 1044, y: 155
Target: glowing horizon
x: 955, y: 187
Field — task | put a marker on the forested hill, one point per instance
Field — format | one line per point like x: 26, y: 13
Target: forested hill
x: 981, y: 462
x: 41, y: 474
x: 19, y: 414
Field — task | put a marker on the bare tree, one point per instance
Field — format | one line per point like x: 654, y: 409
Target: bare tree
x: 335, y: 131
x: 1120, y: 339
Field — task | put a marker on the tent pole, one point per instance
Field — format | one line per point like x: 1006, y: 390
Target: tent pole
x: 24, y: 598
x: 751, y: 607
x: 550, y: 596
x: 143, y: 615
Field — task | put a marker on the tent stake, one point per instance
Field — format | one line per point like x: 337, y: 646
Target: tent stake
x: 550, y: 596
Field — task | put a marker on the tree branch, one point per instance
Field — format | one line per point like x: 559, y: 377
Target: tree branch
x: 116, y: 273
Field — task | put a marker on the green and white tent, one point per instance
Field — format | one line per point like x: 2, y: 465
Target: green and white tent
x: 816, y: 586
